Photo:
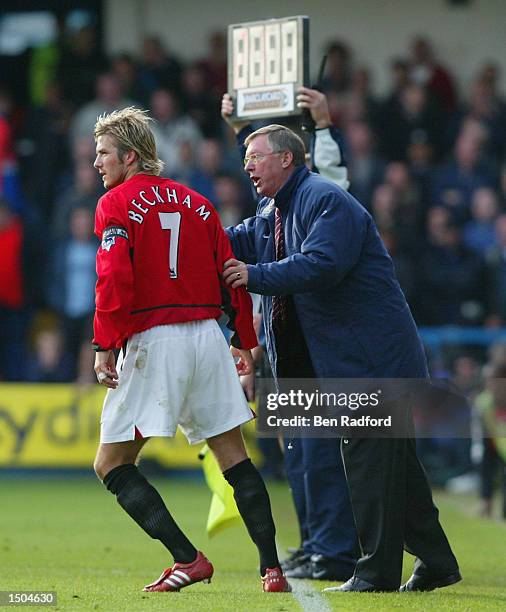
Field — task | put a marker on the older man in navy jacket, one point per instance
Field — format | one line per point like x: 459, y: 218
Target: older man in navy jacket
x: 331, y: 301
x: 313, y: 466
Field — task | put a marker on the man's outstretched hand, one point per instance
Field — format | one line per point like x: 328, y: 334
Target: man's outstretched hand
x: 235, y: 273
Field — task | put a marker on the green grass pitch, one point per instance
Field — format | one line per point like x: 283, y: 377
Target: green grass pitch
x: 70, y: 536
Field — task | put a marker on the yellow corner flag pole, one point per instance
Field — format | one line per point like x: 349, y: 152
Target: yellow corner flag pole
x: 223, y: 511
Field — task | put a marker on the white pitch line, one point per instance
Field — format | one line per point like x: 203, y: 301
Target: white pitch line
x: 309, y: 598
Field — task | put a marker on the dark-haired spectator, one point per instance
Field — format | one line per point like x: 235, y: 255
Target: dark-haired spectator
x: 466, y: 370
x: 451, y: 279
x: 479, y: 232
x: 399, y: 79
x: 366, y: 167
x: 82, y: 152
x: 474, y: 129
x: 337, y: 76
x: 82, y: 193
x: 209, y: 163
x: 158, y: 67
x: 125, y: 67
x: 71, y: 282
x: 489, y: 75
x: 428, y: 72
x: 48, y: 362
x: 202, y: 107
x: 108, y: 97
x: 484, y: 104
x: 446, y: 418
x: 393, y: 221
x: 384, y: 208
x: 420, y: 155
x: 43, y: 149
x: 408, y: 196
x: 359, y: 102
x: 231, y: 200
x: 171, y: 129
x: 81, y: 61
x: 455, y: 181
x: 214, y: 64
x: 453, y: 451
x: 415, y: 114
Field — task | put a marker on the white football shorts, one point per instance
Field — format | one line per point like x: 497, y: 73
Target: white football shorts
x: 180, y: 374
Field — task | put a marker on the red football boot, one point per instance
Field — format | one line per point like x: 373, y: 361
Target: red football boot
x: 274, y: 581
x: 181, y: 575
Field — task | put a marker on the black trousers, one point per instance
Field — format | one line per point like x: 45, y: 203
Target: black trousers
x: 314, y: 468
x: 393, y: 509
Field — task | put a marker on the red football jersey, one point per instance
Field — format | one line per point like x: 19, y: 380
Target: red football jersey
x: 160, y: 262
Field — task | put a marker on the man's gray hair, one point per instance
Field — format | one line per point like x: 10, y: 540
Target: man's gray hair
x: 281, y: 138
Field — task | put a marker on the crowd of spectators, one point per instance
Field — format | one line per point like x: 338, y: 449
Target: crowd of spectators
x: 428, y: 160
x: 49, y: 188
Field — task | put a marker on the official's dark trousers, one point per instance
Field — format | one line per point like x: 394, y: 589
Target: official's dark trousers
x: 393, y: 509
x: 316, y: 476
x: 314, y: 468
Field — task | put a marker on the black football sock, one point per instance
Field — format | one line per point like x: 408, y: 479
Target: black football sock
x: 254, y: 506
x: 143, y: 503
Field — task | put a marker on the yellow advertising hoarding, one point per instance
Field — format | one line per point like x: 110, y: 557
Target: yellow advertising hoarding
x: 57, y: 426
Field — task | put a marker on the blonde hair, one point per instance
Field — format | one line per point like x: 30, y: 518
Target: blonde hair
x: 281, y: 138
x: 130, y: 129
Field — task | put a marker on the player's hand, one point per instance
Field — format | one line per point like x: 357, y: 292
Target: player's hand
x: 105, y: 369
x: 316, y: 102
x: 227, y: 109
x: 235, y: 273
x: 243, y: 360
x: 248, y: 385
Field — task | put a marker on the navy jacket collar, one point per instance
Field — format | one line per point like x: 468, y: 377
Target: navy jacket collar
x: 283, y: 196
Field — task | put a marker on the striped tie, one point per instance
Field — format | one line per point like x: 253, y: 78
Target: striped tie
x: 279, y: 301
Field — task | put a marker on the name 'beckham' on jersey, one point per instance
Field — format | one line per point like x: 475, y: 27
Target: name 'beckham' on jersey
x: 160, y: 261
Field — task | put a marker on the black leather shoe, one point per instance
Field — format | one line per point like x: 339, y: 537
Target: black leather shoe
x: 419, y: 582
x: 356, y: 585
x: 328, y: 569
x: 318, y: 567
x: 298, y: 557
x: 302, y: 570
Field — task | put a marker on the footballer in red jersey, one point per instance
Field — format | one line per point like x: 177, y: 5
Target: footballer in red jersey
x: 158, y: 295
x: 160, y: 261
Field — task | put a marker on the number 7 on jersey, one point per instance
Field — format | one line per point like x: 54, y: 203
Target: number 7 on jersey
x: 172, y: 221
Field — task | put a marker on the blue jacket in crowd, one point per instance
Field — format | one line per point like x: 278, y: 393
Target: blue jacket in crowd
x: 351, y: 310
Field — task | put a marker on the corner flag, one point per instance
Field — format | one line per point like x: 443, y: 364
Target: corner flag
x: 223, y: 511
